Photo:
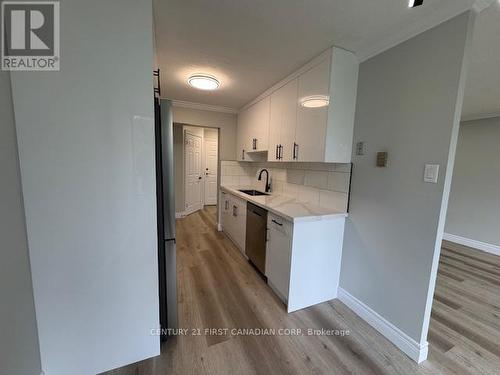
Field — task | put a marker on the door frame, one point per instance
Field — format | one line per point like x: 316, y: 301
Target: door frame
x: 183, y: 213
x: 205, y: 166
x: 202, y: 183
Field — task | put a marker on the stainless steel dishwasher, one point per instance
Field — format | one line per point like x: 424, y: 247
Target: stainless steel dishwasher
x: 255, y: 244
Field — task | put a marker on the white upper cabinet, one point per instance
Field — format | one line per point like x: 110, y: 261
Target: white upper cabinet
x: 283, y: 120
x: 311, y: 122
x: 259, y: 124
x: 299, y: 133
x: 242, y: 135
x: 253, y: 129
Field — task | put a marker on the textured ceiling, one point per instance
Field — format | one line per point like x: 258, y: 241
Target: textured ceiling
x: 251, y: 45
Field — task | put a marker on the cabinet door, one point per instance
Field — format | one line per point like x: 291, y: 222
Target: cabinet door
x: 283, y: 120
x: 278, y: 255
x: 259, y: 126
x: 312, y: 122
x: 238, y: 217
x: 224, y: 201
x: 288, y: 120
x: 275, y: 123
x: 242, y: 135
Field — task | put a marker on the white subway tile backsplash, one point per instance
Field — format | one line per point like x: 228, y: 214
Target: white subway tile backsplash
x: 338, y: 181
x: 245, y: 181
x: 278, y: 174
x: 324, y: 184
x: 295, y: 176
x: 343, y: 168
x: 277, y: 186
x: 317, y: 179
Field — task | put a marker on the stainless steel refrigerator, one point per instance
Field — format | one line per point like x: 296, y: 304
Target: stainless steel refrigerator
x: 166, y: 214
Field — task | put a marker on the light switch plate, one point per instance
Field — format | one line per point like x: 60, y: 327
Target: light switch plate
x: 360, y: 148
x: 431, y: 173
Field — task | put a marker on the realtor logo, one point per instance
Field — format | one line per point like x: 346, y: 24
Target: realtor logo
x: 30, y: 35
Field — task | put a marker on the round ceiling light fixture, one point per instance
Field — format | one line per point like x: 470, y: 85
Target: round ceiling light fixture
x: 315, y: 101
x: 204, y: 82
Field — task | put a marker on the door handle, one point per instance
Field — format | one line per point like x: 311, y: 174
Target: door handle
x: 275, y: 222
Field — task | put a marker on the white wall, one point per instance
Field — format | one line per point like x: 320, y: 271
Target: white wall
x: 86, y: 145
x: 210, y: 119
x: 19, y: 350
x: 474, y: 209
x: 407, y: 105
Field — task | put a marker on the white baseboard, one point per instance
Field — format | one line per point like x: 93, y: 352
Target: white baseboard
x: 483, y: 246
x: 180, y: 215
x: 414, y: 350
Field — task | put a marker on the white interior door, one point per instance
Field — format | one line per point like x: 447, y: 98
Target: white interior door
x: 211, y: 150
x: 193, y: 172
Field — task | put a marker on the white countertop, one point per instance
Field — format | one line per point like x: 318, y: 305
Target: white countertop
x: 286, y: 206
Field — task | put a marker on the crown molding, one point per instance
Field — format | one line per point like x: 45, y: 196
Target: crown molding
x: 483, y: 116
x: 203, y: 107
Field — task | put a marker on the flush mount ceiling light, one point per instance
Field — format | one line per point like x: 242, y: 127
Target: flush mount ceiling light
x: 204, y: 82
x: 415, y: 3
x: 315, y: 101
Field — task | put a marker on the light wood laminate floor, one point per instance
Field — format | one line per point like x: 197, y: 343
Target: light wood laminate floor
x: 219, y: 289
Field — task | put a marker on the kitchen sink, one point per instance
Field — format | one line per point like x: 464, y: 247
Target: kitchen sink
x: 253, y: 192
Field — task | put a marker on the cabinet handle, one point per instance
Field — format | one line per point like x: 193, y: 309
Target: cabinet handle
x: 275, y: 222
x: 255, y: 144
x: 295, y: 151
x: 226, y: 207
x: 235, y: 211
x: 276, y: 152
x: 242, y: 154
x: 280, y: 152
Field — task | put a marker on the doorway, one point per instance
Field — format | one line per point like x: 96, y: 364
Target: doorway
x: 193, y: 171
x: 196, y: 168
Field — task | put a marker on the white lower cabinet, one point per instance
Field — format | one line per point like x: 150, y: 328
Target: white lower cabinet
x: 278, y: 254
x: 234, y: 219
x: 303, y: 260
x: 302, y: 257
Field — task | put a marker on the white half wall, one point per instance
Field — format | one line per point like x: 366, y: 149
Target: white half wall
x: 474, y: 209
x: 408, y: 104
x: 86, y: 146
x: 19, y: 350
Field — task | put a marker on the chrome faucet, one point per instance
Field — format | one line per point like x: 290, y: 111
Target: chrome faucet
x: 268, y: 185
